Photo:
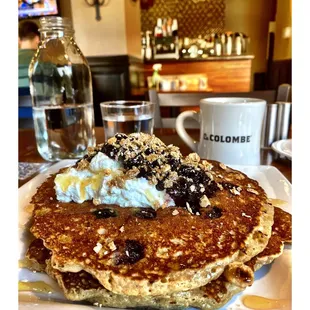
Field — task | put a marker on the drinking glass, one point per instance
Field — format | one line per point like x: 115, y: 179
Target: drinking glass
x: 124, y: 116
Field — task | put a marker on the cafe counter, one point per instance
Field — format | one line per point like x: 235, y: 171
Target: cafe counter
x: 224, y: 73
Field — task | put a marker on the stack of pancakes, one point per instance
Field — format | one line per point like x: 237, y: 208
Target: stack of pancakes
x: 168, y: 258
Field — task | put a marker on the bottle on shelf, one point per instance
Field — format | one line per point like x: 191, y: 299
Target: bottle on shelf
x: 158, y: 31
x: 148, y: 48
x: 228, y: 46
x: 217, y: 45
x: 223, y: 42
x: 245, y: 43
x: 143, y: 45
x: 174, y: 27
x: 164, y: 27
x: 237, y: 44
x: 169, y: 27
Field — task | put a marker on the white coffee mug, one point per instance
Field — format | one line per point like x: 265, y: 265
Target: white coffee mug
x: 230, y: 129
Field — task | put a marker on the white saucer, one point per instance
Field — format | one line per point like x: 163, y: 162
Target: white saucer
x: 283, y: 147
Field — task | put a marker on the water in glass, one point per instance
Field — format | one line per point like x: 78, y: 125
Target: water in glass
x: 63, y: 131
x: 128, y: 124
x: 127, y: 117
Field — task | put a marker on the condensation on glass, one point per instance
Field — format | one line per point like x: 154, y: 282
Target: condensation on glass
x: 61, y: 90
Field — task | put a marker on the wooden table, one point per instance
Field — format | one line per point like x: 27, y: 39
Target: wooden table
x: 28, y: 150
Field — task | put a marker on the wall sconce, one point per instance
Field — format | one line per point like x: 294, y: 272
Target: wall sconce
x: 97, y: 4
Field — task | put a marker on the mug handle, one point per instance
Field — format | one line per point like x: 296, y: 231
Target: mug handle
x: 181, y: 130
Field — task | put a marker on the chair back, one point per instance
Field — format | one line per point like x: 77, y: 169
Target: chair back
x: 284, y: 93
x: 25, y: 118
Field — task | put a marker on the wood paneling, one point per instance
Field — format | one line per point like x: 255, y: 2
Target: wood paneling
x: 223, y: 75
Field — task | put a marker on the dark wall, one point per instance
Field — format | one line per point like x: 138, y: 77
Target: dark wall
x: 111, y: 78
x: 280, y: 72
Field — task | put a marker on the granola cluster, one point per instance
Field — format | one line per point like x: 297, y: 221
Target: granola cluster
x: 187, y: 180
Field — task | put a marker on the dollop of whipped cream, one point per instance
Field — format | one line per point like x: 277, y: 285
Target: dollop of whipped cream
x: 138, y: 170
x: 104, y: 182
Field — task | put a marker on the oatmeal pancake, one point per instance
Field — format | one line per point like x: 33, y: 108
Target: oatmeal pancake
x: 220, y: 216
x: 236, y: 277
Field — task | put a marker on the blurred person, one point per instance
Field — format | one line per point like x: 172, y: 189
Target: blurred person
x: 28, y: 40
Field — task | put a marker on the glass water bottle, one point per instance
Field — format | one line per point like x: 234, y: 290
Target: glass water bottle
x: 61, y: 90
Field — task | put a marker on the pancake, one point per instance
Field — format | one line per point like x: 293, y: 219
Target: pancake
x: 281, y: 234
x: 236, y: 277
x: 220, y: 217
x: 37, y: 255
x: 82, y: 286
x: 283, y: 225
x: 156, y: 252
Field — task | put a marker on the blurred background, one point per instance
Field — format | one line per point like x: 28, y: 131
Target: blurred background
x: 218, y: 46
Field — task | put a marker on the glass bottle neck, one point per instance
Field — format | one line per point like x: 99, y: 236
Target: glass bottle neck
x: 59, y: 33
x: 55, y: 27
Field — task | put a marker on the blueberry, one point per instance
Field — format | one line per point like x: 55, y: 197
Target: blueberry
x: 132, y: 253
x: 196, y: 209
x: 134, y: 250
x: 136, y: 161
x: 227, y: 185
x: 120, y: 136
x: 148, y: 151
x: 142, y: 173
x: 211, y: 189
x: 146, y: 213
x: 160, y: 186
x: 174, y: 163
x: 188, y: 172
x: 89, y: 158
x: 104, y: 213
x: 214, y: 213
x: 109, y: 150
x: 154, y: 164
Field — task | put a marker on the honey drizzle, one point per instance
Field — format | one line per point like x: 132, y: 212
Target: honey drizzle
x: 29, y: 208
x: 261, y: 303
x: 38, y: 286
x: 95, y: 181
x: 25, y: 263
x: 277, y: 202
x: 26, y: 298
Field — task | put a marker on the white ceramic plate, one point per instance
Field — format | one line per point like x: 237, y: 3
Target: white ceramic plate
x: 283, y: 147
x: 272, y: 281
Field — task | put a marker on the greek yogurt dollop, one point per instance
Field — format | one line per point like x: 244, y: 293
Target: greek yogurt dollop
x: 104, y: 182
